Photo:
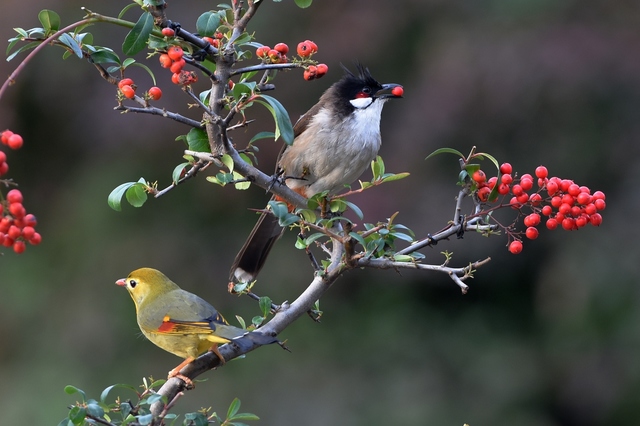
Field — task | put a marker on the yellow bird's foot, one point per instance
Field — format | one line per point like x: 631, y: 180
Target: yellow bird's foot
x: 188, y: 383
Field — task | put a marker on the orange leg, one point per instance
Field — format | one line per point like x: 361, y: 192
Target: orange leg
x: 176, y: 373
x: 214, y: 349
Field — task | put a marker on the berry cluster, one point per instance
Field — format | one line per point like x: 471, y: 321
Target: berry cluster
x: 128, y: 90
x: 563, y: 202
x: 12, y: 140
x: 277, y: 55
x: 305, y: 49
x: 174, y: 60
x: 16, y: 226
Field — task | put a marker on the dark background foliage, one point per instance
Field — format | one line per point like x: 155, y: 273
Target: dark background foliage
x: 549, y: 337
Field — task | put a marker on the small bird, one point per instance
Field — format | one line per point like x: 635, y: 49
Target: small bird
x: 181, y: 322
x: 334, y: 142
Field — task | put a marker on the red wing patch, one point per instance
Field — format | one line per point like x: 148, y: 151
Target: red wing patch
x: 170, y: 326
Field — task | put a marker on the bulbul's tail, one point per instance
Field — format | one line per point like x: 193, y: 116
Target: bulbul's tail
x: 251, y: 257
x: 251, y: 339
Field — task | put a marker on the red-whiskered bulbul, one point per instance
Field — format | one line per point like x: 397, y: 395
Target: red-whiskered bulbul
x: 334, y: 142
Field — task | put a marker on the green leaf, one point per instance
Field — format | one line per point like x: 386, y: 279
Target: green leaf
x: 195, y: 419
x: 377, y: 167
x: 77, y: 415
x: 240, y: 89
x: 137, y: 194
x: 125, y: 9
x: 127, y: 62
x: 198, y: 141
x: 244, y: 416
x: 403, y: 258
x: 490, y: 157
x: 303, y: 4
x: 208, y: 23
x: 69, y: 41
x: 148, y: 70
x: 95, y: 410
x: 358, y: 238
x: 155, y: 397
x: 284, y: 127
x: 238, y: 317
x: 21, y: 32
x: 241, y: 186
x: 395, y: 176
x: 265, y: 305
x: 105, y: 392
x: 137, y: 38
x: 70, y: 389
x: 65, y: 422
x: 233, y: 408
x: 22, y: 49
x: 227, y: 161
x: 308, y: 215
x: 105, y: 56
x: 263, y: 135
x: 355, y: 209
x: 445, y: 150
x: 50, y: 20
x: 177, y: 172
x: 115, y: 198
x: 145, y: 419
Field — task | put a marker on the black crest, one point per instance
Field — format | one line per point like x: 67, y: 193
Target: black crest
x: 349, y: 86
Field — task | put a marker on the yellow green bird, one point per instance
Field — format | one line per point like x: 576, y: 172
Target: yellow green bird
x: 181, y: 322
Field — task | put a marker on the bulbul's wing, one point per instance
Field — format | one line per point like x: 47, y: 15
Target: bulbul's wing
x: 251, y: 257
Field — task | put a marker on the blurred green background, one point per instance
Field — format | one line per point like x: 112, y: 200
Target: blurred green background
x: 549, y: 337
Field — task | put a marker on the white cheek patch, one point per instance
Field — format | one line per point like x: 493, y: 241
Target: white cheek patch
x: 361, y: 102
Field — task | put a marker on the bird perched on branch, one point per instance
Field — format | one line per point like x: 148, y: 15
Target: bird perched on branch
x: 334, y: 143
x: 181, y: 322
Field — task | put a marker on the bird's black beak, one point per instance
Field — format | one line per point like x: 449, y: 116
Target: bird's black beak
x: 390, y: 90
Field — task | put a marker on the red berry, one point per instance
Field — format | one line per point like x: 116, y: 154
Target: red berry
x: 598, y: 195
x: 168, y: 32
x: 479, y: 176
x: 218, y: 35
x: 19, y: 247
x: 517, y: 190
x: 17, y: 210
x: 483, y: 193
x: 175, y: 52
x: 515, y: 247
x: 310, y: 72
x: 503, y: 189
x: 4, y: 168
x: 547, y: 210
x: 541, y: 172
x: 177, y: 65
x: 282, y: 48
x: 274, y: 56
x: 535, y: 199
x: 574, y: 189
x: 581, y: 221
x: 397, y: 91
x: 36, y: 239
x: 262, y: 51
x: 165, y: 61
x: 15, y: 141
x: 583, y: 198
x: 175, y: 78
x: 567, y: 223
x: 125, y: 82
x: 155, y: 93
x: 128, y: 91
x: 590, y: 209
x: 505, y: 168
x: 506, y: 178
x: 531, y: 233
x: 314, y: 47
x: 595, y: 219
x: 322, y: 69
x: 526, y: 184
x: 551, y: 224
x: 492, y: 181
x: 304, y: 49
x: 532, y: 220
x: 30, y: 220
x: 600, y: 204
x: 13, y: 232
x: 552, y: 187
x: 523, y: 198
x: 565, y: 184
x: 4, y: 137
x: 28, y: 231
x: 7, y: 242
x: 14, y: 196
x: 3, y: 157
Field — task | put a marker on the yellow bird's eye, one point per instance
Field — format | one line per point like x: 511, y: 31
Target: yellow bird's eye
x: 132, y: 283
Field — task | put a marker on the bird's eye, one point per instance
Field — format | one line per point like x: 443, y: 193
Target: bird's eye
x: 132, y: 283
x: 364, y: 93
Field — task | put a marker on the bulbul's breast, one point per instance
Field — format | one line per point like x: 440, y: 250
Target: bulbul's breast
x: 331, y: 153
